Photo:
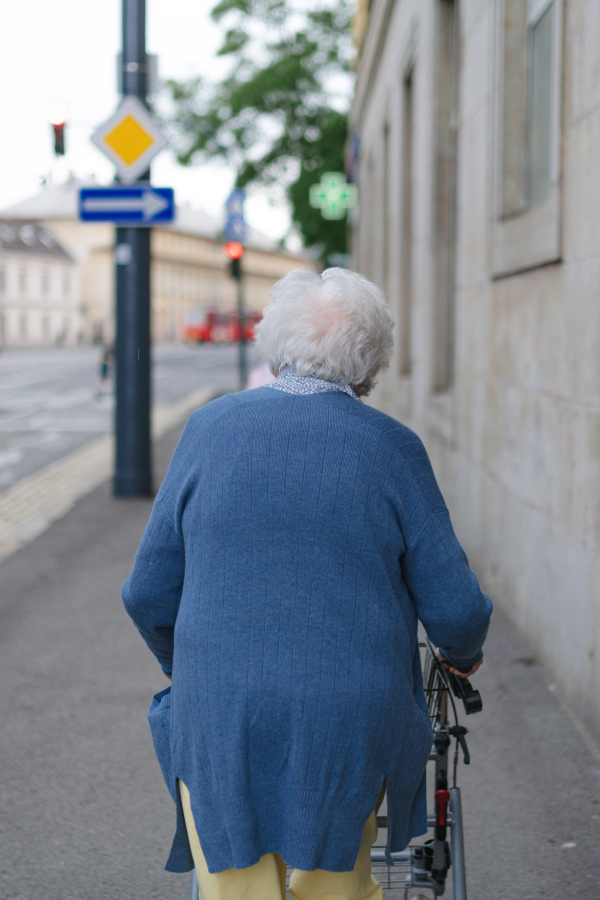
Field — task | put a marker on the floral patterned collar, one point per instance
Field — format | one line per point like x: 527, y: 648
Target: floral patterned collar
x: 288, y: 381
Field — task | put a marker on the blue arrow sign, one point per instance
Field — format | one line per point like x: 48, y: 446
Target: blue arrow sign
x: 132, y: 205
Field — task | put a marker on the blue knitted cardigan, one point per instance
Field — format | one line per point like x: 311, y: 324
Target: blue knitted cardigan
x: 292, y: 547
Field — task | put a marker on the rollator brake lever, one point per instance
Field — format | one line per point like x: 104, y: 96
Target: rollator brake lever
x: 459, y: 732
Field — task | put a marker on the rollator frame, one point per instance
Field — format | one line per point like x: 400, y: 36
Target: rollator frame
x: 425, y: 864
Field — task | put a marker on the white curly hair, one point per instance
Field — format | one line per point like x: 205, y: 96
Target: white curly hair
x: 336, y: 326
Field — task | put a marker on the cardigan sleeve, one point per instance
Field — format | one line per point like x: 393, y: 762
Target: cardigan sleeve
x: 152, y: 592
x: 452, y: 607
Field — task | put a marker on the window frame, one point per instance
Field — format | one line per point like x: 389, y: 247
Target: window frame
x: 530, y: 237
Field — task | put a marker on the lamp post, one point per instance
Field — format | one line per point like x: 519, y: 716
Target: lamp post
x: 235, y: 252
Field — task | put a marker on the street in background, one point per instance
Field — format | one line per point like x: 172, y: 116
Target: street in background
x: 48, y: 405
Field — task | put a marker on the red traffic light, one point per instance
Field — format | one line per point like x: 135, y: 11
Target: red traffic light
x: 234, y: 250
x: 58, y: 114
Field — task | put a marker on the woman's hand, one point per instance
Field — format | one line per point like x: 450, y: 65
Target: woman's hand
x: 444, y: 662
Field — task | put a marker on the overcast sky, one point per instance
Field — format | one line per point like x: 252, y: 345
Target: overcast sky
x: 66, y: 50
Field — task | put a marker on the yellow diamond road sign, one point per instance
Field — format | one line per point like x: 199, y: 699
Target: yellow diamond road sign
x: 130, y: 139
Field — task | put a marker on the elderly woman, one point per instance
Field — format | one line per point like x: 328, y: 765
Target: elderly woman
x: 296, y: 540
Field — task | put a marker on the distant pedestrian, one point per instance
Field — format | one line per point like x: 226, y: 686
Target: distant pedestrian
x: 298, y: 537
x: 104, y: 370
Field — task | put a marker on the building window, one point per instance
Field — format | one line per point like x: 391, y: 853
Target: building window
x: 46, y: 328
x: 66, y: 284
x: 22, y: 281
x: 386, y: 211
x: 369, y: 212
x: 2, y: 282
x: 406, y: 261
x: 526, y: 222
x: 540, y: 62
x: 45, y: 282
x: 23, y: 327
x: 448, y: 64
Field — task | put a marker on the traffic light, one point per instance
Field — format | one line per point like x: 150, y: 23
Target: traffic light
x: 57, y: 113
x: 235, y: 251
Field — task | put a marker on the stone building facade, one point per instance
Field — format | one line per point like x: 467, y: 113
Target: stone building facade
x: 39, y: 288
x: 189, y: 265
x: 479, y: 180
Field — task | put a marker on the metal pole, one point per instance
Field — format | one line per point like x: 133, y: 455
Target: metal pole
x: 459, y: 875
x: 133, y: 469
x: 242, y: 332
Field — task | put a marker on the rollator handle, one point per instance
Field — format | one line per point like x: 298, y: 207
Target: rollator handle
x: 462, y: 688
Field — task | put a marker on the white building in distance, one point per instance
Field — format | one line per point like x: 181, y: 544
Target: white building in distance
x: 39, y: 287
x: 479, y: 177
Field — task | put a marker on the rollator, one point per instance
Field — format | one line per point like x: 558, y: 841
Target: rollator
x: 425, y: 866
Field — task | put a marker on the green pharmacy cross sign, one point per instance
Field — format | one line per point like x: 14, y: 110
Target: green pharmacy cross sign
x: 333, y: 195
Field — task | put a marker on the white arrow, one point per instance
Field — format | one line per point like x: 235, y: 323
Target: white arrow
x: 149, y: 204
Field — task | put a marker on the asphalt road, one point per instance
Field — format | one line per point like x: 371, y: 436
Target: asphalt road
x: 85, y: 815
x: 48, y: 402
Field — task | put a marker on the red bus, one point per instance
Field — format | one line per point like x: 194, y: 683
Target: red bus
x: 218, y: 326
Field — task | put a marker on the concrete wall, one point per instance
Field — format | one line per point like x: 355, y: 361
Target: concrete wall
x: 515, y: 436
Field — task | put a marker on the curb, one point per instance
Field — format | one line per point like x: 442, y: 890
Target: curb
x: 31, y: 505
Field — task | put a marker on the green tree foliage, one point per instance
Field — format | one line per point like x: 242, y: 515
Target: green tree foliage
x: 279, y: 115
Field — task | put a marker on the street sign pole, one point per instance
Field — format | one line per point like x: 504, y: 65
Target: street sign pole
x: 133, y: 469
x: 242, y: 332
x: 235, y: 235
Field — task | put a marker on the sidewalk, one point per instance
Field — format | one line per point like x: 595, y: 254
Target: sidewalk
x: 85, y: 814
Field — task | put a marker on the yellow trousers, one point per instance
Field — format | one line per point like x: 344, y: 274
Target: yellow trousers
x: 265, y: 880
